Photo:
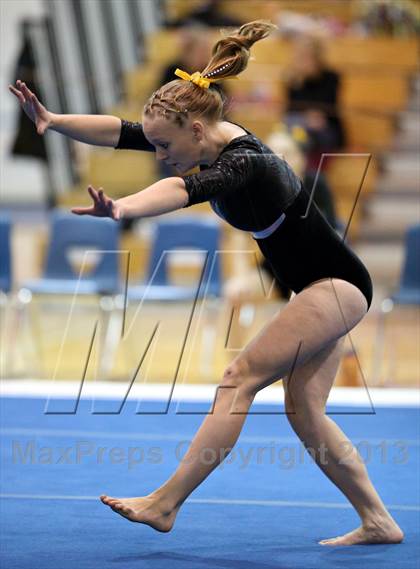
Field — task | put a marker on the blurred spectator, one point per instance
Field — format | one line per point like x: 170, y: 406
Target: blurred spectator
x: 207, y: 14
x: 313, y: 98
x: 396, y: 18
x: 27, y: 143
x: 291, y: 147
x: 194, y: 51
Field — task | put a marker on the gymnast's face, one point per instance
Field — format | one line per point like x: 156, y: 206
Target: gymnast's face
x: 181, y: 147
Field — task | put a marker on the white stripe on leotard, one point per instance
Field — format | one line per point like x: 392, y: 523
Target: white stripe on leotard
x: 256, y: 234
x: 269, y: 230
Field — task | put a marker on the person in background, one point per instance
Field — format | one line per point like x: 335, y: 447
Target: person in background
x: 293, y: 147
x: 26, y: 142
x: 312, y: 91
x: 399, y: 18
x: 207, y: 14
x: 194, y: 49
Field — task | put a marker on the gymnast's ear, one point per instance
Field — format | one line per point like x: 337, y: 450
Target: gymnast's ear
x: 198, y: 130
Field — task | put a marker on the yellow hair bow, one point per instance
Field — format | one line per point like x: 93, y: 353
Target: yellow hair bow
x: 195, y: 78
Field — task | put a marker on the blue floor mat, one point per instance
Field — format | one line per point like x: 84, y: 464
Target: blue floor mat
x: 266, y: 507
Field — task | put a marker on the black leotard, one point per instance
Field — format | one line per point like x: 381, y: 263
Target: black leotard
x: 251, y: 187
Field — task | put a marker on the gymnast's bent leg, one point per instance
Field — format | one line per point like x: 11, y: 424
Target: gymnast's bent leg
x: 306, y: 328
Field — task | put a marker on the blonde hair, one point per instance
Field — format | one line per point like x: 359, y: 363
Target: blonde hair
x: 230, y: 55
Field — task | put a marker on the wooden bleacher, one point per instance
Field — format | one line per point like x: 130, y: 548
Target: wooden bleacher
x: 247, y: 10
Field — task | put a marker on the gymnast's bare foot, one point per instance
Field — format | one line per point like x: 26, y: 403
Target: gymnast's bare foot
x: 146, y: 510
x: 383, y: 531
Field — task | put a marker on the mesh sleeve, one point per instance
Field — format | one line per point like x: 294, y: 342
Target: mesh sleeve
x: 232, y: 171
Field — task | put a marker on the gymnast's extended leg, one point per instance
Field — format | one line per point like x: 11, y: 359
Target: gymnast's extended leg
x: 308, y: 326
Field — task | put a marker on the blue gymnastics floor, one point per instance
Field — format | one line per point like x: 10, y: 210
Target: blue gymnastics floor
x: 267, y: 508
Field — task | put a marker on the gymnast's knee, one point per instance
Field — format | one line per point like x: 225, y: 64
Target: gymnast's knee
x: 237, y: 376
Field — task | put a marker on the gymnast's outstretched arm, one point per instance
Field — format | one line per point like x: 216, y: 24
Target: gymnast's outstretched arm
x: 99, y: 130
x: 161, y: 197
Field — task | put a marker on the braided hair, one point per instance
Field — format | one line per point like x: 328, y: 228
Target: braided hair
x: 178, y: 99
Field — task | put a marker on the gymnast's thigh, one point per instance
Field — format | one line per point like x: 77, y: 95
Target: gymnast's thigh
x: 320, y: 314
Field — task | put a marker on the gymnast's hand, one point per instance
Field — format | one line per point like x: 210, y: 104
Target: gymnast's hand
x: 32, y: 107
x: 103, y: 206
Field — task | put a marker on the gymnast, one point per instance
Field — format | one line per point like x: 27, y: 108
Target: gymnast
x: 256, y: 191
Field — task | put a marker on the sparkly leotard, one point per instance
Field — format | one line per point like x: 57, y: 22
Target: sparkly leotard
x: 254, y: 190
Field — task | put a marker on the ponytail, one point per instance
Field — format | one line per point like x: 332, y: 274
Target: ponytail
x: 190, y: 95
x: 230, y: 55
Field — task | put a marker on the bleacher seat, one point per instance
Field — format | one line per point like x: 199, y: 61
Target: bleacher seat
x: 69, y: 234
x: 186, y: 234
